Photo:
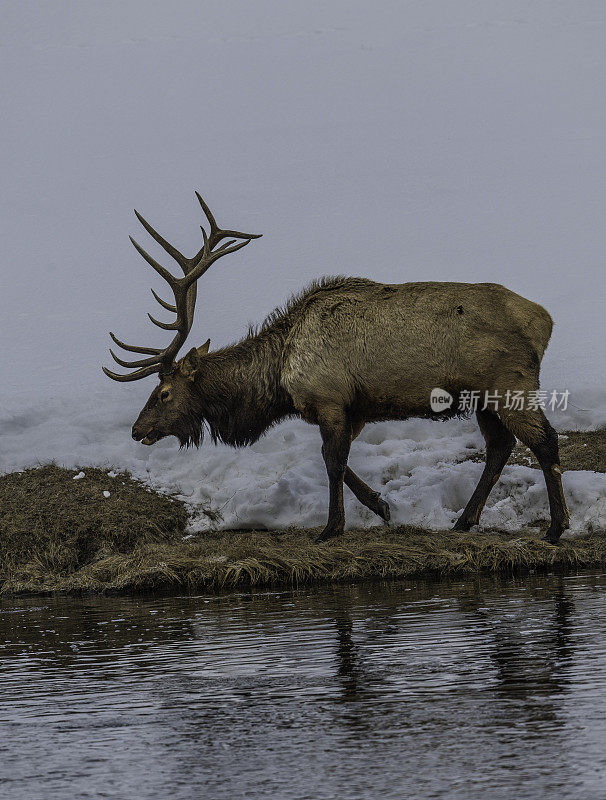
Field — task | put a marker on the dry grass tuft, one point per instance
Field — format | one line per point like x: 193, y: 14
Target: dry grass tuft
x: 53, y: 525
x: 61, y: 535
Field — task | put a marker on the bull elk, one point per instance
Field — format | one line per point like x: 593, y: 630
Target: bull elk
x: 343, y: 353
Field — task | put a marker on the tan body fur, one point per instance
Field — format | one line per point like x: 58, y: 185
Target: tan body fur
x: 379, y: 349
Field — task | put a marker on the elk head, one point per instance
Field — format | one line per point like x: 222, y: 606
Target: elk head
x: 169, y: 410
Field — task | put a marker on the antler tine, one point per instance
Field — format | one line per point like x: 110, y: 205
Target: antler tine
x: 205, y: 263
x: 226, y: 244
x: 214, y: 228
x: 181, y: 260
x: 133, y: 349
x: 163, y: 303
x: 168, y: 276
x: 240, y: 235
x: 217, y: 233
x: 132, y: 376
x: 143, y: 362
x: 166, y: 326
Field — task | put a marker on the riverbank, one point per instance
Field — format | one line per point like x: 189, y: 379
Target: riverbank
x: 233, y: 560
x: 97, y: 531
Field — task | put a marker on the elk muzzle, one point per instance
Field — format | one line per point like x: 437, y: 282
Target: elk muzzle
x: 146, y: 436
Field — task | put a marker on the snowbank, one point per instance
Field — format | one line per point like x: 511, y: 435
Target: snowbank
x: 421, y: 467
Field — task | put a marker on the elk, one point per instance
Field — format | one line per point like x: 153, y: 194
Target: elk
x: 343, y: 353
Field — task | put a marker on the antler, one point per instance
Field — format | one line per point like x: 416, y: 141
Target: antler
x: 184, y: 291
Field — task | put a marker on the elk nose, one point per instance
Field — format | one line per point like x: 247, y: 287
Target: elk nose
x: 137, y: 435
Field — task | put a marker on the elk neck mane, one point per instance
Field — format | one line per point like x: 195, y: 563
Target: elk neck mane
x: 238, y: 393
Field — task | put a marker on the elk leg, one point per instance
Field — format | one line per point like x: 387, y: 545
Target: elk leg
x: 534, y: 430
x: 336, y: 439
x: 537, y: 434
x: 499, y: 444
x: 367, y: 496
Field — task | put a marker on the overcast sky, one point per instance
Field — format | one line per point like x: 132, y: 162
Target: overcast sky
x: 397, y: 140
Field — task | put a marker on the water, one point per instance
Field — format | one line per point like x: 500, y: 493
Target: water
x: 474, y: 689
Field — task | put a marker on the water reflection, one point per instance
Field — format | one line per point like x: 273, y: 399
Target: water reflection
x: 349, y: 669
x: 395, y: 690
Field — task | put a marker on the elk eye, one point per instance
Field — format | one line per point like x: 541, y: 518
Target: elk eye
x: 164, y: 395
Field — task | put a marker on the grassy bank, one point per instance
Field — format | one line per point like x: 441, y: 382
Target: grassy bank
x: 108, y: 532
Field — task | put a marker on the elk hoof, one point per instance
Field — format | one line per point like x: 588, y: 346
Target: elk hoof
x: 329, y: 532
x: 555, y: 530
x: 383, y: 511
x: 553, y: 534
x: 463, y: 524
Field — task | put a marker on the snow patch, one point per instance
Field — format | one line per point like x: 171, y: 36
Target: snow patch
x: 421, y: 468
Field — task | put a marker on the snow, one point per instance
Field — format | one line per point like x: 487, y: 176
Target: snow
x: 420, y: 467
x: 425, y: 140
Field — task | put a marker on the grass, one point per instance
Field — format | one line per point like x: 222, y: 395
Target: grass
x: 578, y: 450
x: 51, y: 525
x: 58, y: 534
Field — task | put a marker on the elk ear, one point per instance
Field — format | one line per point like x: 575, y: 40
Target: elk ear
x: 189, y: 364
x: 202, y: 351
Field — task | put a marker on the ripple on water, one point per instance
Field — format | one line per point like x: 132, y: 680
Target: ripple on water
x: 430, y: 690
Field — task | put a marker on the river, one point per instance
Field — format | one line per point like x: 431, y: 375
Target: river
x: 477, y: 688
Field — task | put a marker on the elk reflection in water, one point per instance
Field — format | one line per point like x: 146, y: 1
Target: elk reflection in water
x: 386, y: 690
